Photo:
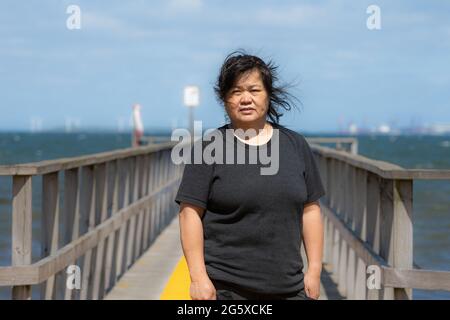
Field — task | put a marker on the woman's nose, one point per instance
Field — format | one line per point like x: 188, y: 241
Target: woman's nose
x: 245, y: 98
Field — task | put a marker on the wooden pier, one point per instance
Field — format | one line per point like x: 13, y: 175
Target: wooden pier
x: 105, y: 213
x: 115, y: 204
x: 368, y: 211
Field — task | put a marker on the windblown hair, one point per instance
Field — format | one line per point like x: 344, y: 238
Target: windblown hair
x: 237, y: 64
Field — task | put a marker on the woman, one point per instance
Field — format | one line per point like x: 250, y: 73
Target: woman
x: 241, y: 231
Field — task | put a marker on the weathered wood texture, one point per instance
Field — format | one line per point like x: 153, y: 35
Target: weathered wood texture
x: 368, y: 222
x: 97, y: 213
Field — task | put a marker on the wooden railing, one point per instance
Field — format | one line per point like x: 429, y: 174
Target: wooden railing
x: 340, y: 143
x: 368, y: 219
x: 108, y: 207
x: 148, y: 140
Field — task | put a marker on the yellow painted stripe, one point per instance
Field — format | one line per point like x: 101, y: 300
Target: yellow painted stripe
x: 177, y: 288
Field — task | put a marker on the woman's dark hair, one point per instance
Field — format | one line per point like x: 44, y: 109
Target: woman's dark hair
x: 238, y: 63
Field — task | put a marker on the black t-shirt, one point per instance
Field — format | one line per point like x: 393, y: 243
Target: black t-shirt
x: 252, y: 223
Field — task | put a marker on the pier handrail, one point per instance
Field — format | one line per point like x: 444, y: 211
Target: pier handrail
x: 100, y: 212
x: 368, y: 219
x: 48, y: 166
x: 383, y: 169
x: 339, y: 142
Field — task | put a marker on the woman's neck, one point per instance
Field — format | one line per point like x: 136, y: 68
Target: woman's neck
x: 253, y: 133
x: 256, y: 125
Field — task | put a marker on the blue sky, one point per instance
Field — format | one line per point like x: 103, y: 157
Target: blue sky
x: 145, y: 52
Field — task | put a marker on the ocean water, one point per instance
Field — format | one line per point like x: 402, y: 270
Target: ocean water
x: 431, y: 198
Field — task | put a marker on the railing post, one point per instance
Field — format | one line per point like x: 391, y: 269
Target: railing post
x: 351, y: 214
x: 342, y: 267
x: 335, y: 250
x: 112, y: 242
x: 403, y: 231
x: 102, y: 172
x: 124, y: 194
x: 134, y: 186
x: 387, y: 237
x: 21, y: 230
x: 146, y: 220
x: 158, y: 197
x: 373, y: 212
x: 153, y: 186
x: 140, y: 216
x: 360, y: 280
x: 71, y: 214
x: 373, y: 207
x: 360, y: 220
x: 334, y: 189
x: 324, y: 175
x: 348, y: 194
x: 396, y: 232
x: 50, y: 227
x: 341, y: 189
x: 360, y: 203
x: 87, y: 210
x: 165, y: 194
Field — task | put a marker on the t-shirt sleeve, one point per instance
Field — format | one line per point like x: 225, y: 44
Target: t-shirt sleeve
x: 195, y: 183
x: 313, y: 181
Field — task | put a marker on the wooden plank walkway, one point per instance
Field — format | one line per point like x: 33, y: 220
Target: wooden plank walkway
x: 147, y: 278
x: 153, y: 276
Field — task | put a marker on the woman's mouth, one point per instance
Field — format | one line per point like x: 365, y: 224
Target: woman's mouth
x: 246, y: 110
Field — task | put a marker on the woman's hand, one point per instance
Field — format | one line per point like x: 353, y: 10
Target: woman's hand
x: 312, y: 285
x: 202, y: 289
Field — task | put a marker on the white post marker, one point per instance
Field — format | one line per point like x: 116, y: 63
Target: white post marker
x: 138, y: 130
x: 191, y: 100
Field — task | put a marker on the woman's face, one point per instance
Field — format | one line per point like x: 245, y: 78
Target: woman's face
x: 247, y: 101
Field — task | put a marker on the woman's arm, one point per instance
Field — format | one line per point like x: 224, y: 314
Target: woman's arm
x: 313, y: 240
x: 191, y: 234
